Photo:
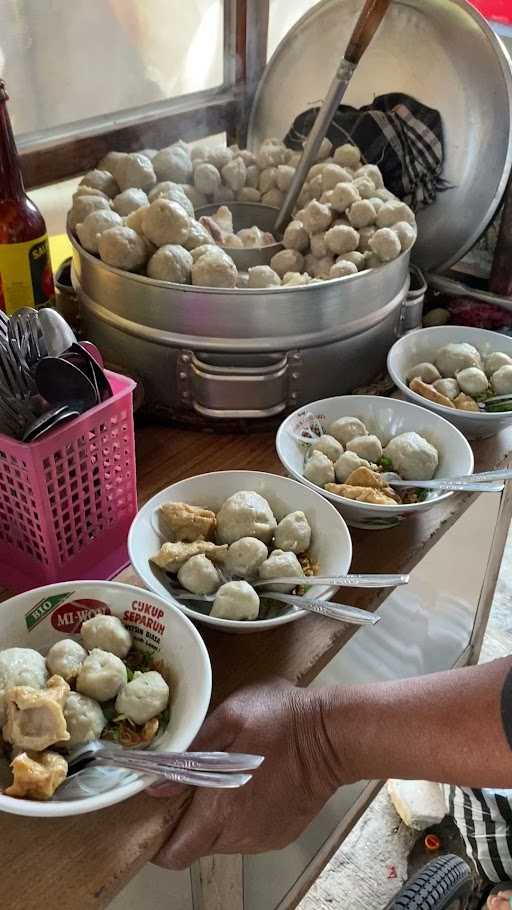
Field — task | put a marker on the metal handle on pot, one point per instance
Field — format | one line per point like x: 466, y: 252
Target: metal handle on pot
x: 230, y: 386
x: 411, y: 316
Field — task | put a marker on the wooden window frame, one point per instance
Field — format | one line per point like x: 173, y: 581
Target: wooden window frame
x: 225, y: 108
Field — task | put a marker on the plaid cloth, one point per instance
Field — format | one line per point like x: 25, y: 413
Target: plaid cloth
x: 401, y: 135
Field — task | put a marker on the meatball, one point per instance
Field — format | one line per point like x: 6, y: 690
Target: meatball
x: 344, y: 196
x: 248, y: 194
x: 219, y: 156
x: 214, y: 269
x: 318, y: 245
x: 281, y: 565
x: 245, y: 556
x: 107, y: 633
x: 346, y: 464
x: 285, y: 175
x: 236, y: 600
x: 101, y: 676
x: 122, y: 248
x: 293, y: 533
x: 20, y: 667
x: 129, y: 201
x: 425, y: 371
x: 234, y: 174
x: 295, y: 279
x: 361, y: 214
x: 346, y: 428
x: 406, y: 235
x: 342, y: 268
x: 207, y: 179
x: 274, y: 198
x: 287, y: 261
x: 367, y: 447
x: 342, y: 239
x: 357, y: 258
x: 296, y: 237
x: 348, y: 156
x: 85, y: 719
x: 91, y: 229
x: 165, y: 222
x: 472, y: 381
x: 319, y: 469
x: 197, y: 236
x: 271, y: 153
x: 329, y: 446
x: 171, y: 263
x: 373, y: 172
x: 365, y: 188
x: 245, y: 514
x: 135, y: 171
x: 145, y: 697
x: 166, y: 189
x: 394, y: 212
x: 262, y: 276
x: 365, y: 237
x: 199, y: 575
x: 455, y: 357
x: 332, y: 174
x: 65, y: 658
x: 317, y: 217
x: 84, y: 205
x: 412, y: 457
x: 494, y: 361
x: 101, y: 180
x: 502, y: 380
x: 173, y: 163
x: 385, y: 244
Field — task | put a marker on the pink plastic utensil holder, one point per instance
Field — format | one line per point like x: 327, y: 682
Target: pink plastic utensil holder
x: 67, y: 501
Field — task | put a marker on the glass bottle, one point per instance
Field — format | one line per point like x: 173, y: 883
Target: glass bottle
x: 25, y: 268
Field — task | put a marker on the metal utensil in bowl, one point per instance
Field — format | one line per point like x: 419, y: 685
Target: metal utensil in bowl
x: 201, y: 769
x: 60, y: 382
x: 467, y: 485
x: 341, y: 581
x: 366, y: 26
x: 247, y: 215
x: 340, y: 612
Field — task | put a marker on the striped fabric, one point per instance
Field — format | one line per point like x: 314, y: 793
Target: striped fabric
x: 484, y: 819
x: 401, y: 135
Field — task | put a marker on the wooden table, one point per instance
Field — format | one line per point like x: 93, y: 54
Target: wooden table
x: 84, y: 862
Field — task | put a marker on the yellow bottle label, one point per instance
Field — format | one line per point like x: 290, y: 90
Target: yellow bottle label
x: 25, y: 275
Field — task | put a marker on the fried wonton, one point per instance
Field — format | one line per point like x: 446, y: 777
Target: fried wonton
x: 35, y: 717
x: 464, y: 402
x: 364, y: 477
x: 361, y: 494
x: 173, y: 555
x: 37, y: 775
x: 429, y: 392
x: 187, y: 523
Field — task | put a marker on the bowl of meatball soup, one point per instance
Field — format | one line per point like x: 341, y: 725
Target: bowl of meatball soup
x: 345, y: 449
x: 464, y: 374
x: 212, y: 544
x: 83, y: 661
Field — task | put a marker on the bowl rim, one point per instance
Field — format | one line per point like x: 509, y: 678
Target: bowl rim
x: 367, y: 506
x: 433, y: 405
x: 41, y: 809
x: 251, y: 625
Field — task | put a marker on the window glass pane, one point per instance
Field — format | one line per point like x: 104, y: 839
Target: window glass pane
x: 65, y: 61
x: 284, y: 14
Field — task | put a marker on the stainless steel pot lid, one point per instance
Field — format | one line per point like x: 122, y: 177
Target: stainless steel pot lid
x: 441, y: 52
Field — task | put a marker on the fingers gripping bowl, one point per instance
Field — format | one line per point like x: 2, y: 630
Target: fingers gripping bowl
x: 424, y: 346
x: 384, y: 419
x: 45, y: 617
x: 330, y: 548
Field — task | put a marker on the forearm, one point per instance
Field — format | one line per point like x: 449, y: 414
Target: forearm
x: 446, y: 727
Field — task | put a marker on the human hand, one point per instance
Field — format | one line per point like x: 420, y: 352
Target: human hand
x: 298, y: 776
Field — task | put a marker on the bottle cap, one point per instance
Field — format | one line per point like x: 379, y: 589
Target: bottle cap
x: 432, y: 842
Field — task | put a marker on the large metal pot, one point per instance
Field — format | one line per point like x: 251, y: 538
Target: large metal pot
x: 242, y: 352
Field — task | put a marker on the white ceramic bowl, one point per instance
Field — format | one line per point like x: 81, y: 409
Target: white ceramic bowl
x: 423, y: 345
x: 386, y: 417
x: 39, y: 618
x: 331, y: 545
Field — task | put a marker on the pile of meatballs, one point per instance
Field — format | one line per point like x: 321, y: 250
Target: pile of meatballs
x: 137, y: 213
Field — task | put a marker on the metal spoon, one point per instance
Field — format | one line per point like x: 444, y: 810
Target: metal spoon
x: 448, y: 484
x: 340, y: 612
x: 341, y: 581
x: 57, y: 333
x: 59, y: 382
x: 187, y: 761
x: 50, y: 420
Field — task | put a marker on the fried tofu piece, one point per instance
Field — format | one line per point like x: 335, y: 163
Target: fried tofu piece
x: 35, y: 717
x: 428, y: 391
x: 188, y: 523
x: 364, y: 477
x: 37, y: 775
x: 464, y: 402
x: 361, y: 494
x: 173, y: 556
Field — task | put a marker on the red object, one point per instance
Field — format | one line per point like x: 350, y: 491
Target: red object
x: 470, y: 312
x: 20, y: 222
x: 392, y: 873
x: 495, y: 10
x: 432, y: 842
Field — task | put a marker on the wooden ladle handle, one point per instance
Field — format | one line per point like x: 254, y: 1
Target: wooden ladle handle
x: 366, y: 26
